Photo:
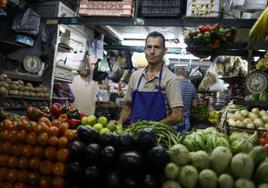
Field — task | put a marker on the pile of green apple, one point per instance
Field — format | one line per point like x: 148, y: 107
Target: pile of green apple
x: 101, y: 124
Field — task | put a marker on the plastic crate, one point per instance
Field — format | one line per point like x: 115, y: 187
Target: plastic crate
x: 122, y: 8
x: 163, y: 8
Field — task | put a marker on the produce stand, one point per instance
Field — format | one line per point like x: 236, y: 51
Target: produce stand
x: 47, y: 141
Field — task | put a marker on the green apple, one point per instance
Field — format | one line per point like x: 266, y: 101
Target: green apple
x: 111, y: 127
x: 98, y: 127
x: 104, y: 130
x: 103, y: 120
x: 89, y: 120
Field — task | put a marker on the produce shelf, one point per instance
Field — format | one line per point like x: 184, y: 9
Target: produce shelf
x: 23, y: 76
x: 123, y: 21
x: 28, y: 98
x: 251, y: 104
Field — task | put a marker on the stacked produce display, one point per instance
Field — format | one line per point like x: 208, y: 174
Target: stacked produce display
x: 63, y: 147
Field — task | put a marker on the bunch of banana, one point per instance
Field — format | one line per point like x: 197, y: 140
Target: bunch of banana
x: 260, y: 29
x: 3, y: 3
x: 263, y: 63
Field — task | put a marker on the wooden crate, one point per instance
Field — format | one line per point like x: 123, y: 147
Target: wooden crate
x: 122, y: 8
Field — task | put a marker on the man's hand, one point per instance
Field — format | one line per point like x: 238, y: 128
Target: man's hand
x: 175, y: 117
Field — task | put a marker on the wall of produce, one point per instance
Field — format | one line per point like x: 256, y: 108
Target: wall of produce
x: 63, y: 147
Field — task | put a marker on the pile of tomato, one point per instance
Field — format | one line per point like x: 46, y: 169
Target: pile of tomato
x: 33, y: 153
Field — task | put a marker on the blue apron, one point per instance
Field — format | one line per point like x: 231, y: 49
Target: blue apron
x: 148, y: 105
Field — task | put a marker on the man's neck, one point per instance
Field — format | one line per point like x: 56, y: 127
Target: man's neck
x: 154, y: 68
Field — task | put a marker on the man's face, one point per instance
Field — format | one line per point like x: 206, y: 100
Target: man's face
x: 154, y: 50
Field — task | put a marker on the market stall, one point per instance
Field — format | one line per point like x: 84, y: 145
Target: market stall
x: 63, y: 82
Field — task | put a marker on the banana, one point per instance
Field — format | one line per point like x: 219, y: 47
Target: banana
x: 260, y: 28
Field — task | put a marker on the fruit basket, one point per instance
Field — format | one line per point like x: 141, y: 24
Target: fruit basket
x: 208, y: 40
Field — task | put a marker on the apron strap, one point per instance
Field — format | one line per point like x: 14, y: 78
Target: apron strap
x: 160, y: 78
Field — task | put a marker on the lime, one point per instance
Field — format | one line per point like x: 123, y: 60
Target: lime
x: 103, y: 120
x: 111, y: 127
x: 97, y: 127
x: 104, y: 130
x: 89, y: 120
x: 92, y: 120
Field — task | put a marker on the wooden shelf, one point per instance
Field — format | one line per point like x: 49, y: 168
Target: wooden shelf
x: 124, y: 21
x: 28, y: 98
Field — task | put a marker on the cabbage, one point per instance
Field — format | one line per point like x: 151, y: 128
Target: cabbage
x: 244, y: 183
x: 241, y: 145
x: 188, y: 176
x: 200, y: 160
x: 242, y: 166
x: 220, y: 159
x: 171, y: 170
x: 225, y: 181
x: 208, y: 179
x: 179, y: 154
x: 171, y: 184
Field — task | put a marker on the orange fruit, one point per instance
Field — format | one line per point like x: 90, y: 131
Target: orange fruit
x: 45, y: 120
x: 23, y: 162
x: 38, y: 151
x: 50, y: 152
x: 3, y: 159
x: 63, y: 142
x: 11, y: 175
x: 53, y: 141
x: 58, y: 182
x: 22, y: 175
x: 6, y: 147
x: 43, y: 138
x: 62, y: 154
x: 31, y: 138
x: 27, y: 150
x: 13, y: 136
x: 3, y: 173
x: 21, y: 136
x: 46, y: 167
x: 12, y: 162
x: 58, y: 169
x: 53, y: 131
x: 45, y: 182
x: 34, y: 163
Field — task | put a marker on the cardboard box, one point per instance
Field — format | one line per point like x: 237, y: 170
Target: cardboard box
x: 203, y: 8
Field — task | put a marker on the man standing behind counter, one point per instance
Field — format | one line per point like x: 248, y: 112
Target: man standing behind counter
x: 153, y: 92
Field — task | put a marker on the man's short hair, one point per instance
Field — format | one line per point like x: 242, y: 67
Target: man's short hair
x: 156, y: 34
x: 181, y: 72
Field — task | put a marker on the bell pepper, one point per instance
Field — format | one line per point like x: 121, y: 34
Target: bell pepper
x: 73, y: 113
x: 63, y: 117
x: 56, y: 109
x: 65, y: 108
x: 33, y: 113
x: 204, y: 29
x: 82, y: 114
x: 73, y: 123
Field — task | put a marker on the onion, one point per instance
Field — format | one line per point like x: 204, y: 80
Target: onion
x: 238, y: 116
x: 255, y: 110
x: 244, y: 113
x: 239, y: 124
x: 262, y: 113
x: 253, y: 116
x: 265, y: 117
x: 247, y: 120
x: 231, y: 122
x: 258, y: 122
x: 266, y: 126
x: 250, y: 126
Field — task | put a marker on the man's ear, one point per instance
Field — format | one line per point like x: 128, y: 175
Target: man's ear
x: 165, y: 51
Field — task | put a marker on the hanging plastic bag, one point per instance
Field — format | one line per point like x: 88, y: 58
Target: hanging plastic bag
x: 99, y: 72
x: 196, y: 76
x: 27, y: 22
x: 84, y: 69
